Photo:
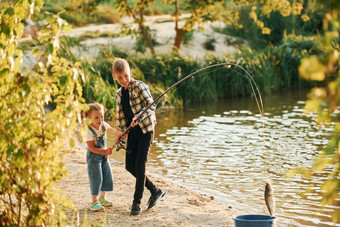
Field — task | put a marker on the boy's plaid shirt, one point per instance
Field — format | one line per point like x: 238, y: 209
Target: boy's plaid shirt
x: 139, y: 98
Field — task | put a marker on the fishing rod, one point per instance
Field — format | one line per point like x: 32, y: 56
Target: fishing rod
x: 257, y: 94
x: 268, y: 194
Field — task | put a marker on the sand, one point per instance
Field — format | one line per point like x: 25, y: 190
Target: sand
x: 164, y: 34
x: 179, y: 207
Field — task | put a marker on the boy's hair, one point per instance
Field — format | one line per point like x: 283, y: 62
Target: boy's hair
x: 94, y: 106
x: 120, y: 65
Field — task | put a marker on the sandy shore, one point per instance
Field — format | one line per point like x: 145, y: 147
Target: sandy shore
x: 179, y: 207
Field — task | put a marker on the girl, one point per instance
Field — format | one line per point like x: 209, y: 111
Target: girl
x: 98, y: 165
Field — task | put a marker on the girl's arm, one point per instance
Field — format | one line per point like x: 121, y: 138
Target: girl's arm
x: 114, y: 132
x: 96, y: 150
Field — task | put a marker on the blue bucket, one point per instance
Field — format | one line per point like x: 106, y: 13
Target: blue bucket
x: 254, y: 220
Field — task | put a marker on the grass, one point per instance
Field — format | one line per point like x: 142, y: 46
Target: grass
x: 103, y: 13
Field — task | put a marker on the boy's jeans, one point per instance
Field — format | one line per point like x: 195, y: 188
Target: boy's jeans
x: 135, y: 161
x: 99, y: 171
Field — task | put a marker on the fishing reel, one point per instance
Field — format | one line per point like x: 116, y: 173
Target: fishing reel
x: 121, y: 145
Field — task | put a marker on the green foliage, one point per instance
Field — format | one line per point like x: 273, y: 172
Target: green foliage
x: 137, y: 10
x: 269, y: 28
x: 200, y: 13
x: 168, y: 69
x: 96, y: 89
x: 141, y: 44
x: 209, y: 44
x: 275, y: 67
x: 33, y: 138
x: 324, y: 101
x: 188, y: 37
x: 80, y: 13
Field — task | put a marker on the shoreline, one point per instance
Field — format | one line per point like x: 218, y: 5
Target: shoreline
x: 179, y: 207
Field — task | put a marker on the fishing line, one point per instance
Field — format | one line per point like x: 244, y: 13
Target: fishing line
x: 196, y: 77
x: 258, y: 99
x: 257, y: 96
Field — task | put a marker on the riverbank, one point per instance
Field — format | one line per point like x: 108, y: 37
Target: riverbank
x: 179, y: 207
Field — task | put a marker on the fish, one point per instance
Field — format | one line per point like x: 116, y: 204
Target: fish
x: 269, y: 199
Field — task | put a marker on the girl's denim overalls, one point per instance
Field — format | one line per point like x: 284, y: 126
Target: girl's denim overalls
x: 98, y: 167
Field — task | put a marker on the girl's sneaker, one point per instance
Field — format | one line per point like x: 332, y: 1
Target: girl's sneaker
x: 106, y: 203
x: 96, y: 206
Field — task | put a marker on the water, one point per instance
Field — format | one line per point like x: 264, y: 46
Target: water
x: 222, y: 149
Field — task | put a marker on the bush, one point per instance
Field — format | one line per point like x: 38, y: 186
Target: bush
x: 34, y: 139
x: 280, y: 26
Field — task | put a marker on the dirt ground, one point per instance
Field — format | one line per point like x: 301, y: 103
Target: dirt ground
x: 179, y: 207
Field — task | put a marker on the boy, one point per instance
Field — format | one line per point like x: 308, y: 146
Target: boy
x: 132, y: 97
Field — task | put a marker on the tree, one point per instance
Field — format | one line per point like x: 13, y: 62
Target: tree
x: 34, y: 138
x: 200, y: 12
x: 324, y: 101
x: 137, y: 12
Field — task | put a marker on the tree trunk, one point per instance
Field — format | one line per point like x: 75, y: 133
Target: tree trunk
x: 147, y: 39
x: 178, y: 39
x: 180, y: 32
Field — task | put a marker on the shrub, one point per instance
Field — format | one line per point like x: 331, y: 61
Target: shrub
x: 34, y: 138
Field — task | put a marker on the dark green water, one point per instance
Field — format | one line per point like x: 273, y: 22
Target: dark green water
x: 222, y: 149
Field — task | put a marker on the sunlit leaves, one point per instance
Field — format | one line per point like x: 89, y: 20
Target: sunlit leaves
x: 312, y: 69
x: 297, y: 8
x: 266, y: 31
x: 283, y: 6
x: 305, y: 18
x: 38, y: 106
x: 265, y: 8
x: 324, y: 101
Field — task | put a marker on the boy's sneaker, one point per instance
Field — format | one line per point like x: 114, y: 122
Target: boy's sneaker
x: 106, y: 203
x: 155, y: 198
x: 136, y: 209
x: 96, y: 206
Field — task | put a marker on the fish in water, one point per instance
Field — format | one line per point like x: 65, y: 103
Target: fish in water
x: 269, y: 199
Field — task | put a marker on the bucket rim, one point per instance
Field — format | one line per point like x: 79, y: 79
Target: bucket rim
x: 271, y: 218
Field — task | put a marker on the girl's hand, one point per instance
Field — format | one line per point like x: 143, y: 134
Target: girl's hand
x: 108, y: 151
x: 120, y: 137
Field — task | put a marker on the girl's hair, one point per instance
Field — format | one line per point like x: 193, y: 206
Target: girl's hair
x: 120, y: 65
x: 94, y: 106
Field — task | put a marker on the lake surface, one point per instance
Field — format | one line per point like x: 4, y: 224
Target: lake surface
x: 226, y: 149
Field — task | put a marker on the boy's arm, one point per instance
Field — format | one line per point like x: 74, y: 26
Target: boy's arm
x: 118, y: 126
x: 96, y: 150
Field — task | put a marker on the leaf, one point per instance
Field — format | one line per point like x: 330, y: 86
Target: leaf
x: 266, y: 31
x: 312, y: 69
x: 63, y: 80
x: 9, y: 11
x: 5, y: 29
x: 26, y: 88
x: 4, y: 72
x: 49, y: 49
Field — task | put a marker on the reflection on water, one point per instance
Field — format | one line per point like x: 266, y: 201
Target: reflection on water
x: 223, y: 149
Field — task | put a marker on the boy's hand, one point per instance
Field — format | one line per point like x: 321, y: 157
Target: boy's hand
x: 134, y: 121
